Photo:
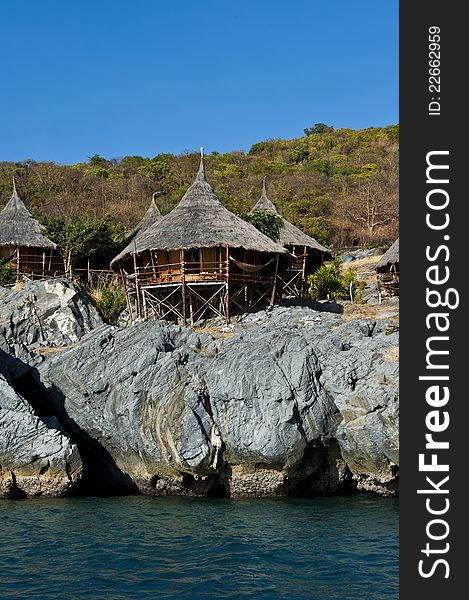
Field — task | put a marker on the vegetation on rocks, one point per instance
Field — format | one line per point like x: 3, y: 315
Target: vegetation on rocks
x: 339, y: 186
x: 7, y: 275
x: 109, y: 299
x: 332, y: 283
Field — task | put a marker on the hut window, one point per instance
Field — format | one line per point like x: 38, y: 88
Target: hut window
x: 193, y: 255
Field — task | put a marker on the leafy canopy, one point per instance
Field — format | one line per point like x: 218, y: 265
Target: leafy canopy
x: 82, y: 238
x: 266, y: 222
x: 318, y: 128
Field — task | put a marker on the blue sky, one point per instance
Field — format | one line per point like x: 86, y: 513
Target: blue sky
x: 118, y: 78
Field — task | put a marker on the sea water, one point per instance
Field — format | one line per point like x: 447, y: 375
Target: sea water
x: 139, y: 547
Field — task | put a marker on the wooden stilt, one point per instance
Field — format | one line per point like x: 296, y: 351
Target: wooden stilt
x: 191, y: 308
x: 153, y: 263
x: 137, y: 291
x: 274, y: 290
x: 227, y: 299
x: 303, y: 274
x: 183, y: 287
x: 126, y: 292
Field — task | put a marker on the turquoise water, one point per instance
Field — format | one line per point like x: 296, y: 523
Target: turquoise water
x: 136, y: 547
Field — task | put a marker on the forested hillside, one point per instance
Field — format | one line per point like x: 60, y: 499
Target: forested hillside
x: 340, y: 186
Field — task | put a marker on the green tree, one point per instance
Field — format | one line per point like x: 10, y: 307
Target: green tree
x: 319, y: 128
x: 156, y: 168
x: 83, y: 238
x: 266, y: 222
x: 97, y: 161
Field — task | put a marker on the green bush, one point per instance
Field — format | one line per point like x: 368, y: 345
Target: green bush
x: 110, y: 302
x: 331, y: 283
x: 7, y: 275
x: 266, y: 222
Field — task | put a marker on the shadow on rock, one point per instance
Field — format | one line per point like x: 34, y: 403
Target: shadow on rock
x: 102, y: 474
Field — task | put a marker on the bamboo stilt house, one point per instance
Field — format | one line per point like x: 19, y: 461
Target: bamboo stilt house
x: 22, y: 243
x: 199, y: 260
x: 387, y: 270
x: 309, y: 254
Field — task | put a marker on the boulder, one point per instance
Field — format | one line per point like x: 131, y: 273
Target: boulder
x: 36, y: 457
x: 46, y: 313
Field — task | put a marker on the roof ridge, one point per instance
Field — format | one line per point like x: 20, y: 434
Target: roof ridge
x: 201, y: 172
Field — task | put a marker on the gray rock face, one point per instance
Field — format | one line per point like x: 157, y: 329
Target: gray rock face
x: 44, y: 314
x: 36, y: 459
x: 292, y: 402
x: 361, y: 373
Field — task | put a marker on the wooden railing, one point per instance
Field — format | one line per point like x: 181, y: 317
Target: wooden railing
x: 192, y: 272
x: 38, y: 265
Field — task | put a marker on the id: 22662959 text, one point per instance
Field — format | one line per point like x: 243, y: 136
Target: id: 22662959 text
x: 434, y: 71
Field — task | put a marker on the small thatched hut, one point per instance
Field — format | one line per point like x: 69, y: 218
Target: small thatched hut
x: 387, y: 269
x: 309, y: 254
x: 199, y: 259
x: 150, y: 218
x: 22, y: 243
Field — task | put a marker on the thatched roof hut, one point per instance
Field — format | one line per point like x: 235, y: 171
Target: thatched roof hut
x: 389, y: 259
x: 199, y: 260
x: 199, y: 221
x: 290, y: 235
x: 19, y: 229
x: 387, y: 270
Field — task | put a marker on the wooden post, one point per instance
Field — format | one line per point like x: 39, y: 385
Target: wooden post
x: 227, y: 299
x: 43, y: 263
x: 127, y: 297
x: 153, y: 264
x: 303, y: 275
x: 137, y: 291
x: 272, y: 299
x: 17, y: 259
x: 183, y: 288
x: 144, y: 302
x: 88, y: 272
x: 191, y: 308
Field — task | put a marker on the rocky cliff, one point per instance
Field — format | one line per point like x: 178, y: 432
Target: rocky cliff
x: 287, y: 401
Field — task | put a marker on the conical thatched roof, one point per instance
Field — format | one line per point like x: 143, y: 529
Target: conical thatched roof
x: 18, y: 228
x: 390, y: 257
x: 289, y: 234
x: 200, y: 221
x: 149, y: 218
